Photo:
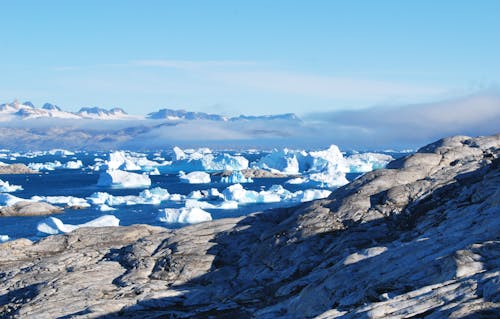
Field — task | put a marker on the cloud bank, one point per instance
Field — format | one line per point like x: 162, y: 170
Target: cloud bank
x: 404, y: 126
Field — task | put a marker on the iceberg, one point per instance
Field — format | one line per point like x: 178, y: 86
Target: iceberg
x: 125, y: 161
x: 9, y: 200
x: 50, y: 166
x: 118, y: 178
x: 366, y: 162
x: 275, y: 194
x: 5, y: 187
x: 4, y: 238
x: 203, y: 160
x: 235, y: 178
x: 152, y: 196
x: 70, y: 201
x: 183, y: 215
x: 195, y: 178
x: 106, y: 208
x: 52, y: 225
x: 191, y: 203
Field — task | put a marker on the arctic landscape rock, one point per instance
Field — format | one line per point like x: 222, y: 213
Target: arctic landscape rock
x: 418, y: 239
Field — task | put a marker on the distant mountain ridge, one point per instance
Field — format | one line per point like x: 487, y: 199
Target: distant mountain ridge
x: 26, y: 110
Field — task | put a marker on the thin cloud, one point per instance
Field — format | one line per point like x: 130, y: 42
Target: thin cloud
x: 191, y: 65
x: 325, y: 86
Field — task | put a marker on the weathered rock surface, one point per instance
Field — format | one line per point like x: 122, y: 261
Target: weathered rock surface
x: 25, y: 208
x: 16, y: 169
x: 420, y: 239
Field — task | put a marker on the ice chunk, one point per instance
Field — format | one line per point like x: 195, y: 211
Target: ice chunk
x: 191, y: 203
x: 67, y: 200
x: 119, y: 161
x: 366, y: 162
x: 237, y: 193
x: 183, y: 215
x: 9, y: 200
x: 236, y: 177
x: 203, y: 160
x: 60, y: 152
x: 117, y: 178
x: 195, y: 178
x: 311, y: 194
x: 4, y: 238
x: 5, y: 187
x: 54, y: 225
x: 106, y: 208
x: 155, y: 171
x: 73, y: 164
x: 284, y: 161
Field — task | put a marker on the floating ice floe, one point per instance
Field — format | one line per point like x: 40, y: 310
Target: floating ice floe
x: 236, y: 177
x: 52, y: 225
x: 106, y: 208
x: 120, y: 160
x: 183, y: 215
x: 191, y: 203
x: 70, y: 201
x: 5, y: 187
x: 122, y: 179
x: 50, y: 166
x: 152, y: 196
x: 276, y: 193
x: 194, y: 178
x: 4, y: 238
x: 203, y: 160
x: 60, y: 152
x: 321, y: 169
x: 366, y: 162
x: 9, y: 200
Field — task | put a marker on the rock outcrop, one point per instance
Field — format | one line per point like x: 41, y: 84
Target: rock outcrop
x: 418, y: 239
x: 16, y: 169
x: 26, y: 208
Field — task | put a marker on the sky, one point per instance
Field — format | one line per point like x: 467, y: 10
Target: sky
x: 247, y: 57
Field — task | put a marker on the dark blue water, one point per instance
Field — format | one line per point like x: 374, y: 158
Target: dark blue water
x: 82, y: 183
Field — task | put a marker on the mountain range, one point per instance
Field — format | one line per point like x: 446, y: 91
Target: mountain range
x: 26, y: 110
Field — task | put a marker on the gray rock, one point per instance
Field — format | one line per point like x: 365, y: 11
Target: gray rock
x: 16, y: 169
x: 25, y: 208
x: 419, y: 239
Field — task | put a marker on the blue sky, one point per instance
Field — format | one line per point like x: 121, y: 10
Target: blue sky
x: 251, y: 57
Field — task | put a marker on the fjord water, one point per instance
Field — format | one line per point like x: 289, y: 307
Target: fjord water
x: 82, y: 183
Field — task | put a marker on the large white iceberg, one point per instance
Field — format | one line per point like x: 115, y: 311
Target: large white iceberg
x: 153, y: 196
x: 4, y: 238
x: 5, y: 187
x: 183, y: 215
x: 236, y: 177
x: 276, y: 193
x: 365, y: 162
x: 50, y: 166
x: 118, y: 178
x: 70, y: 201
x: 195, y: 178
x: 52, y: 225
x: 9, y: 200
x: 203, y: 160
x: 126, y: 161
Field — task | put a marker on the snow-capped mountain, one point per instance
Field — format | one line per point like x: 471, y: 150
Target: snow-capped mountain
x: 98, y: 113
x: 26, y: 111
x: 175, y: 115
x: 169, y: 114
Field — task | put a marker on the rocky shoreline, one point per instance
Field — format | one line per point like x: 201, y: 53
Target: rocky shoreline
x: 418, y: 239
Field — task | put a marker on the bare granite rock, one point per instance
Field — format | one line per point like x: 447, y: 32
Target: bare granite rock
x: 26, y: 208
x: 419, y: 239
x: 16, y: 169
